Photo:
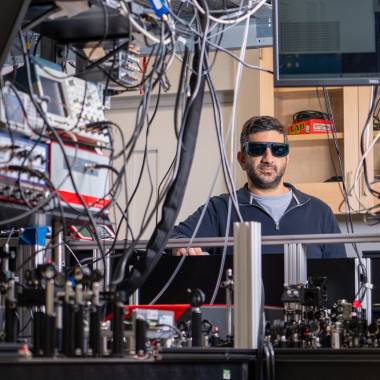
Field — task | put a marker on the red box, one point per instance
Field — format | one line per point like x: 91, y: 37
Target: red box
x: 312, y: 126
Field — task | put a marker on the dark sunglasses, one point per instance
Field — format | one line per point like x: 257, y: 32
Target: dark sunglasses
x: 258, y: 148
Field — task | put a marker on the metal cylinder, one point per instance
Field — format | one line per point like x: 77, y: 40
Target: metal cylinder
x: 229, y: 304
x: 141, y: 327
x: 50, y: 298
x: 59, y: 328
x: 50, y: 332
x: 196, y: 327
x: 49, y: 349
x: 38, y: 333
x: 10, y: 327
x: 79, y: 330
x: 117, y: 328
x: 68, y: 329
x: 58, y: 255
x: 336, y: 336
x: 10, y: 313
x: 95, y: 338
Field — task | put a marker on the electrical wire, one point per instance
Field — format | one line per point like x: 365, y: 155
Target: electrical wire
x: 222, y: 20
x: 362, y: 270
x: 163, y: 53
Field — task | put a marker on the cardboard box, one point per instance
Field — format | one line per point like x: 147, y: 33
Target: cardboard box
x: 312, y: 126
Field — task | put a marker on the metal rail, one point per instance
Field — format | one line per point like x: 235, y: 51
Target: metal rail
x: 220, y: 241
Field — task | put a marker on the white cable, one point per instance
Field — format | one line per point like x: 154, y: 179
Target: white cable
x: 172, y: 57
x: 247, y: 65
x: 141, y: 29
x: 228, y: 21
x: 360, y: 167
x: 73, y: 254
x: 239, y: 73
x: 359, y: 170
x: 232, y: 125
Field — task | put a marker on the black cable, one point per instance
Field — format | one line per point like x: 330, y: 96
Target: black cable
x: 111, y: 77
x: 272, y: 359
x: 175, y: 195
x: 149, y: 123
x: 182, y: 81
x: 166, y: 175
x: 37, y: 45
x: 60, y: 142
x: 105, y: 91
x: 218, y: 123
x: 123, y: 175
x: 362, y: 147
x: 361, y: 267
x: 267, y: 361
x: 143, y: 105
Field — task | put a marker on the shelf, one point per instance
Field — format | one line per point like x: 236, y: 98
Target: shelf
x: 328, y: 192
x: 309, y: 137
x: 289, y: 90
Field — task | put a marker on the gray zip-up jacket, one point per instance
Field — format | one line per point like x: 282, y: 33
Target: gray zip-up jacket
x: 305, y: 215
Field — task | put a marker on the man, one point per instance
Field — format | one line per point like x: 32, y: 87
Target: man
x: 266, y: 198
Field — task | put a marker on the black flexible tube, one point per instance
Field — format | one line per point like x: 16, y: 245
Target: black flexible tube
x: 174, y: 198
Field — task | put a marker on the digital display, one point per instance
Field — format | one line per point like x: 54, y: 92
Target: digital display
x: 326, y: 42
x: 52, y: 90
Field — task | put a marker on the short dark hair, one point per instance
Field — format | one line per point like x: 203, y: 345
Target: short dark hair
x: 259, y: 124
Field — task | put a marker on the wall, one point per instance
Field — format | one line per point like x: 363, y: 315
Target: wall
x: 252, y: 100
x: 162, y: 144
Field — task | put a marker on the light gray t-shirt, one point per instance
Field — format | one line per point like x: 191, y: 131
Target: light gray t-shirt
x: 274, y: 205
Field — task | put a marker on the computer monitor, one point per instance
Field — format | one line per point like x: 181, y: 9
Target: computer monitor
x: 326, y: 42
x: 12, y: 13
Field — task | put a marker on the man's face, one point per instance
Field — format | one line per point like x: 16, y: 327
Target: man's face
x: 266, y: 171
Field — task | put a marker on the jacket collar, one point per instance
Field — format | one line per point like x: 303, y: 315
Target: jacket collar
x: 244, y: 195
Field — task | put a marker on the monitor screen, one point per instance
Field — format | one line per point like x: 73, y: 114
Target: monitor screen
x: 326, y: 42
x: 53, y: 91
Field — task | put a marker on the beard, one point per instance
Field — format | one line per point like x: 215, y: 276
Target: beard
x: 269, y: 180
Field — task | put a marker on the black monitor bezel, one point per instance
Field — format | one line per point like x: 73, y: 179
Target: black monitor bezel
x: 309, y: 82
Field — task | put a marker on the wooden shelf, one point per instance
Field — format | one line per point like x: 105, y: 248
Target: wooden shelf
x: 289, y: 90
x: 329, y: 192
x: 326, y: 136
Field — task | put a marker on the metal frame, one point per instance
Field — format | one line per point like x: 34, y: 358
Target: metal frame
x: 221, y: 241
x: 295, y: 264
x: 367, y: 300
x: 247, y: 284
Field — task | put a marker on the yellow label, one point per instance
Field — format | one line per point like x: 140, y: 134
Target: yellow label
x: 297, y: 128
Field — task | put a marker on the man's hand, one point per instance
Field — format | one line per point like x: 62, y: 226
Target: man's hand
x: 194, y: 251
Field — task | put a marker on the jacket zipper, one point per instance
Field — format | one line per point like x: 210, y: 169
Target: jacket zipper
x: 277, y: 225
